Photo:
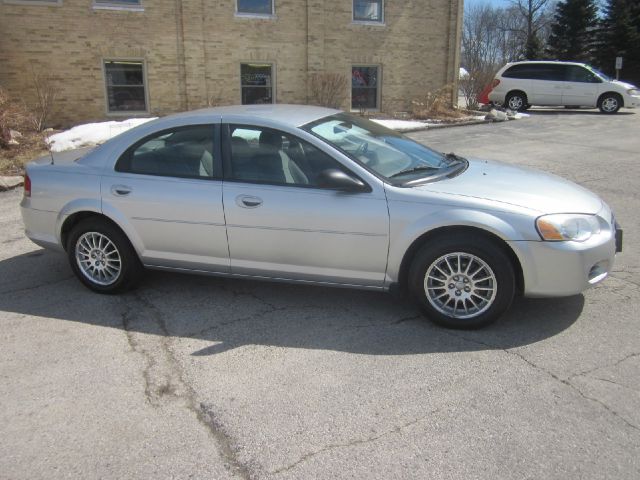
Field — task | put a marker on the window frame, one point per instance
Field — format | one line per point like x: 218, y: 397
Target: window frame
x: 225, y: 133
x: 273, y: 81
x: 382, y: 22
x: 118, y: 5
x: 378, y: 87
x: 217, y: 173
x: 145, y: 85
x: 39, y: 3
x: 238, y: 13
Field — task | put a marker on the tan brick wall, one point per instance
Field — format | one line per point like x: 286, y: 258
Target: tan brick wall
x: 193, y: 50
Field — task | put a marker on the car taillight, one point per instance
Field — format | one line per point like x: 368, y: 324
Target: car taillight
x: 27, y: 185
x: 495, y: 83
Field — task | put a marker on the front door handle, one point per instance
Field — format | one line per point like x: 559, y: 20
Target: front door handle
x: 121, y: 190
x: 248, y: 201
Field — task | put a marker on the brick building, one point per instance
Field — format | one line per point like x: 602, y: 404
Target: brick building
x: 114, y: 58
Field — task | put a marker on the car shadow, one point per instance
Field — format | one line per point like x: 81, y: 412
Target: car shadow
x: 574, y: 111
x: 224, y: 314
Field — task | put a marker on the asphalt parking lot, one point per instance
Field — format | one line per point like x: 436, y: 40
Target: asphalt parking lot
x: 197, y: 377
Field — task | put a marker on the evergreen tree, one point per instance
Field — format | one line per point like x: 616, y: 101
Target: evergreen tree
x: 573, y: 31
x: 533, y: 48
x: 619, y: 36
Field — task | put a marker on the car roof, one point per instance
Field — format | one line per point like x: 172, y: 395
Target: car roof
x: 273, y: 115
x: 543, y: 62
x: 284, y: 114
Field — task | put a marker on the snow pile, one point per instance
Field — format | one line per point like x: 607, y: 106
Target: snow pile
x: 401, y: 125
x: 91, y: 134
x: 463, y: 73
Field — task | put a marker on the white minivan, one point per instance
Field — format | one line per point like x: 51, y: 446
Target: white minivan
x: 519, y: 85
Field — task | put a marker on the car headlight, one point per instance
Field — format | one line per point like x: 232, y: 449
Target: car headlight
x: 633, y: 91
x: 562, y: 227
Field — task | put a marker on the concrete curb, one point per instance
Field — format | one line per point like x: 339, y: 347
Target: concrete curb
x: 10, y: 182
x: 446, y: 125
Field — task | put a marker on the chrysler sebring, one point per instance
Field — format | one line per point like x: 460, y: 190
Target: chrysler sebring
x: 308, y: 194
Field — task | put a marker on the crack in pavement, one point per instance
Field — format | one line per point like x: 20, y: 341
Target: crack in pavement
x: 351, y: 443
x: 615, y: 383
x: 625, y: 280
x: 384, y: 324
x: 40, y: 285
x: 600, y: 367
x: 163, y: 377
x: 565, y: 382
x: 253, y: 316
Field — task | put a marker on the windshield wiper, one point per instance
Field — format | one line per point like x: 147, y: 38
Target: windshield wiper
x: 453, y: 156
x: 413, y: 169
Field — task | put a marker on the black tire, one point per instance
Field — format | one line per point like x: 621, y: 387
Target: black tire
x: 610, y: 103
x: 130, y: 271
x: 516, y: 101
x: 475, y: 250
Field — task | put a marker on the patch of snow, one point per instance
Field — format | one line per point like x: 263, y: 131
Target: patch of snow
x: 463, y: 73
x: 401, y: 125
x: 90, y: 134
x: 520, y: 115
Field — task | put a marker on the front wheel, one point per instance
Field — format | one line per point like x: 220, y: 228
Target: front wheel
x: 609, y: 103
x: 102, y: 257
x: 463, y: 281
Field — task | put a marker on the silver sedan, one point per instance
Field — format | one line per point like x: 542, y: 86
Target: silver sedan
x: 308, y: 194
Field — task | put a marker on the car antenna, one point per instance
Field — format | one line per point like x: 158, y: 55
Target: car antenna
x: 50, y: 152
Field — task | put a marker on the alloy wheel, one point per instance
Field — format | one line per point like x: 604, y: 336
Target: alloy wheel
x: 98, y: 258
x: 460, y: 285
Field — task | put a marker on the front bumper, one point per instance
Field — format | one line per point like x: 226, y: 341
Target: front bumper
x: 558, y: 269
x: 632, y: 101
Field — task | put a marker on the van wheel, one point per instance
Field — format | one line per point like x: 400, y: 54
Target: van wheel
x: 462, y: 281
x: 102, y: 257
x: 516, y: 101
x: 610, y: 103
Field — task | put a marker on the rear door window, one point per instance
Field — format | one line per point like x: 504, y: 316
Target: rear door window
x: 180, y: 152
x: 550, y: 71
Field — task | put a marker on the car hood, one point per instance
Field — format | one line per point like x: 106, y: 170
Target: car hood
x: 625, y: 85
x: 519, y: 186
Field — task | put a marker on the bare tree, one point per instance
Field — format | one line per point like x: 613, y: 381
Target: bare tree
x: 327, y: 89
x: 482, y: 54
x: 46, y: 90
x: 535, y: 17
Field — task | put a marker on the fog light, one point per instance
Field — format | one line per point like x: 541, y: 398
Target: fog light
x: 599, y: 272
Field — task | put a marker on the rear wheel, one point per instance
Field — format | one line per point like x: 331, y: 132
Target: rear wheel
x: 516, y: 101
x: 102, y: 257
x: 462, y: 281
x: 610, y: 103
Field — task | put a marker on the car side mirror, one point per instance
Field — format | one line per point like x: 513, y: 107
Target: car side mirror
x: 335, y: 179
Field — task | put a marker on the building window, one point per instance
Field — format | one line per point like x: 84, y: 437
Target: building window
x: 255, y: 7
x: 256, y: 82
x: 125, y: 80
x: 368, y: 11
x: 364, y: 87
x: 118, y: 4
x: 34, y: 2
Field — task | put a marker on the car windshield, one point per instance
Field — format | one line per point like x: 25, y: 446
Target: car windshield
x: 387, y: 153
x: 599, y: 73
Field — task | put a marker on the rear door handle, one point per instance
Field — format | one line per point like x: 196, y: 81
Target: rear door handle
x: 248, y: 201
x: 121, y: 190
